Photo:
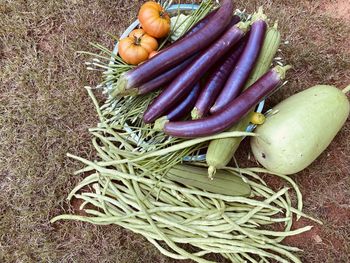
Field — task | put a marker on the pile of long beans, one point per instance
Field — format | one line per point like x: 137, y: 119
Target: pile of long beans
x: 126, y: 193
x: 165, y: 212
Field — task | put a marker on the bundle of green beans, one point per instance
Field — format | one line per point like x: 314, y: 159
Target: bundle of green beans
x: 168, y: 214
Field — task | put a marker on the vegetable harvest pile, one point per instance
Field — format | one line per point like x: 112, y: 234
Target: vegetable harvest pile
x: 183, y: 91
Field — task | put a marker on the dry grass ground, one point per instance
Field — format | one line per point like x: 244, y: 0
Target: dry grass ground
x: 45, y: 112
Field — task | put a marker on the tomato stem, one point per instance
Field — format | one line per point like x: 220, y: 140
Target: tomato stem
x: 162, y: 14
x: 137, y: 40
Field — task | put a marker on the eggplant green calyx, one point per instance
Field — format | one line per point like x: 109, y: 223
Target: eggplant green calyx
x: 259, y: 15
x: 121, y: 86
x: 244, y: 26
x: 281, y: 71
x: 195, y: 114
x: 160, y: 123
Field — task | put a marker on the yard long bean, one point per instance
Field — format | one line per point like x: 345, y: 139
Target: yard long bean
x: 126, y: 190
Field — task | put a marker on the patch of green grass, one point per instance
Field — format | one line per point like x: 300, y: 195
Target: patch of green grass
x: 45, y: 113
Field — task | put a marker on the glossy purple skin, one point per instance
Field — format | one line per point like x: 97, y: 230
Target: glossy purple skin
x: 216, y: 80
x: 172, y: 73
x: 182, y: 85
x: 201, y: 23
x: 235, y: 19
x: 228, y: 116
x: 183, y: 49
x: 239, y: 76
x: 165, y: 77
x: 198, y: 26
x: 185, y: 107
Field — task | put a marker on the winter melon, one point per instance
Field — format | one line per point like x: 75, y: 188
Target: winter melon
x: 302, y: 128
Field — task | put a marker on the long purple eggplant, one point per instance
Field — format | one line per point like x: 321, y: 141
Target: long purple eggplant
x: 202, y: 23
x: 233, y: 112
x: 246, y: 62
x: 182, y: 85
x: 234, y: 20
x: 181, y: 110
x: 179, y: 51
x: 199, y: 25
x: 184, y: 108
x: 216, y: 80
x: 165, y: 78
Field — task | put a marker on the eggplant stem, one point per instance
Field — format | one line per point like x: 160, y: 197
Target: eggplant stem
x: 159, y: 123
x: 195, y: 114
x: 346, y: 90
x: 122, y: 87
x: 259, y: 15
x: 244, y: 26
x: 281, y: 71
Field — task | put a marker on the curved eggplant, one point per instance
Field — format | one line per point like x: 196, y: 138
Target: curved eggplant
x: 199, y: 25
x: 181, y: 110
x: 185, y: 106
x: 233, y: 112
x: 164, y: 78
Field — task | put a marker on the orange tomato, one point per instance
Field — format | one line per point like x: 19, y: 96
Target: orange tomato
x: 154, y: 19
x: 136, y: 47
x: 146, y: 41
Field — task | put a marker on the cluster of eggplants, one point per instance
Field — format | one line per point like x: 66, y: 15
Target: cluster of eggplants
x: 216, y: 79
x: 239, y: 76
x: 185, y: 106
x: 221, y: 45
x: 182, y: 84
x: 169, y: 75
x: 234, y: 111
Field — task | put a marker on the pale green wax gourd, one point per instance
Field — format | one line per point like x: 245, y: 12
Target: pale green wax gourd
x: 302, y: 128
